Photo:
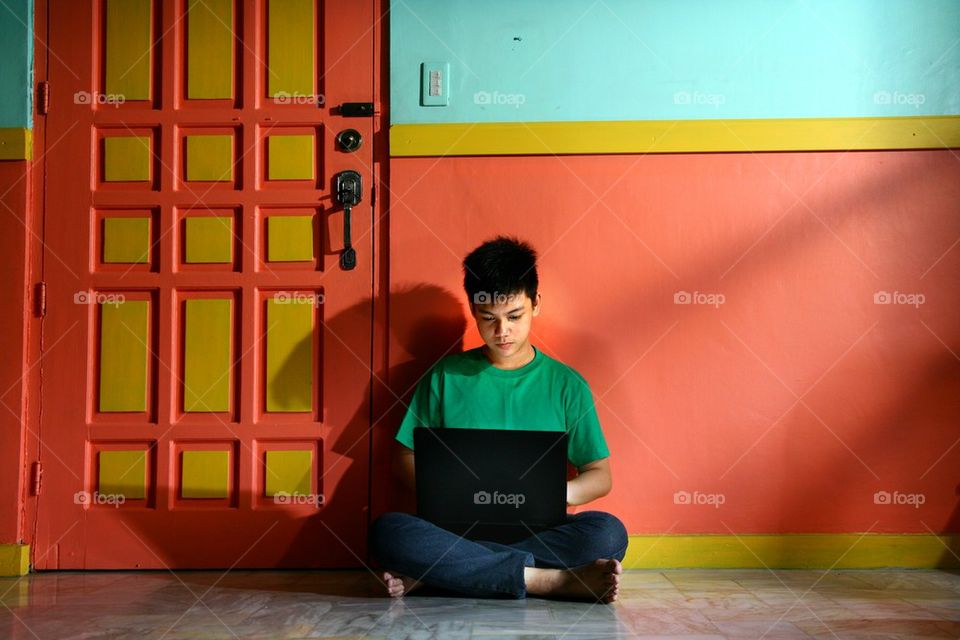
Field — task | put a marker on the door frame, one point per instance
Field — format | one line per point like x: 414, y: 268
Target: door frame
x: 34, y: 257
x: 22, y: 316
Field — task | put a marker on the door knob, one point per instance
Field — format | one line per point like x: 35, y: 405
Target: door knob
x: 349, y: 191
x: 349, y: 140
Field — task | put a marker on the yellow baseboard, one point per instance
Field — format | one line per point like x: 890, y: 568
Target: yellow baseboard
x: 14, y: 559
x: 745, y: 551
x: 16, y: 144
x: 674, y: 136
x: 793, y: 551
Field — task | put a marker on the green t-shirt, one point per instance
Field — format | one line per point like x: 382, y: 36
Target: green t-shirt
x: 464, y: 390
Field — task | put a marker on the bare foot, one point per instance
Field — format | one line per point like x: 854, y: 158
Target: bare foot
x: 598, y: 581
x: 398, y: 585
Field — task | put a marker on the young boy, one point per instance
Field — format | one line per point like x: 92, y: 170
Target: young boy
x: 506, y: 384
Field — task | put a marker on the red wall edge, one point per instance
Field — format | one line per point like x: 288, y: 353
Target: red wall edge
x: 16, y: 374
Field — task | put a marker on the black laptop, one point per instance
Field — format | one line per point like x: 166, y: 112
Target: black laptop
x: 491, y: 484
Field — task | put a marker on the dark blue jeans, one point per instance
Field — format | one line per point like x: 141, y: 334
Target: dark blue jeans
x: 415, y: 548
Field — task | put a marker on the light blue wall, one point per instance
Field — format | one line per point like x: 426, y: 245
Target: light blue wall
x: 676, y: 59
x: 16, y: 63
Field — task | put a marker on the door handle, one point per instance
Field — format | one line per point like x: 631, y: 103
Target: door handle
x: 348, y: 187
x: 349, y: 140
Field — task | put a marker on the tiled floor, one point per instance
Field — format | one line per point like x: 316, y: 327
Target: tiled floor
x: 655, y: 604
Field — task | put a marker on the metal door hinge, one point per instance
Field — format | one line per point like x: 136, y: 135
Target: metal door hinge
x: 43, y: 97
x: 40, y: 299
x: 36, y: 470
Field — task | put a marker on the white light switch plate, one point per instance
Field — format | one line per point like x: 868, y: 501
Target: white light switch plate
x: 435, y: 84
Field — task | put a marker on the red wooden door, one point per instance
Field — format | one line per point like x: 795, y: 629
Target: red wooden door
x: 206, y: 359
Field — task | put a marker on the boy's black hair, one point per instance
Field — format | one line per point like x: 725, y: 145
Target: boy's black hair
x: 500, y: 267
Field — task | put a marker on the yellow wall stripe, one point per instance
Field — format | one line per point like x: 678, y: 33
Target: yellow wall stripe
x: 15, y: 561
x: 289, y: 354
x: 127, y: 52
x: 674, y: 136
x: 290, y: 55
x: 123, y: 355
x: 813, y: 551
x: 206, y: 355
x: 792, y: 551
x: 16, y: 144
x: 210, y: 49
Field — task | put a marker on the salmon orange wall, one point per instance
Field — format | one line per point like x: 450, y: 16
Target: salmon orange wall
x: 786, y: 395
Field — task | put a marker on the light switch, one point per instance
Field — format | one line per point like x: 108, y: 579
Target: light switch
x: 435, y: 84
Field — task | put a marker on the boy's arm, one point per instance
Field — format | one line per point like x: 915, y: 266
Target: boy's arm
x: 594, y: 481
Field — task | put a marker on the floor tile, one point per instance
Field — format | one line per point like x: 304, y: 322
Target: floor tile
x: 349, y: 604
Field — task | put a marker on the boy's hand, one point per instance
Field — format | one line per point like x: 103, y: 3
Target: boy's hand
x: 593, y: 481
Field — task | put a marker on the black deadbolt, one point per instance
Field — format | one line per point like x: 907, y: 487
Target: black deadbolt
x: 349, y: 140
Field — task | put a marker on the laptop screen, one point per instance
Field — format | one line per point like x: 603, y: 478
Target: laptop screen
x: 491, y: 478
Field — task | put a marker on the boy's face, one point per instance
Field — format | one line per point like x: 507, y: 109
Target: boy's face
x: 504, y: 323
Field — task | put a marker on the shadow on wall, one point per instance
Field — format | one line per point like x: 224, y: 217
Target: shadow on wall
x: 427, y: 322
